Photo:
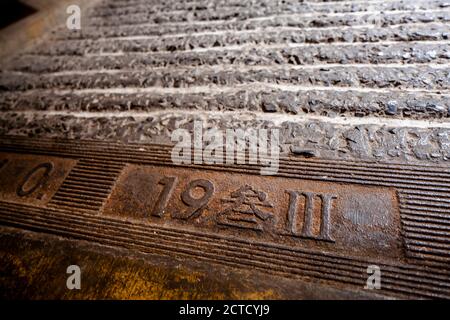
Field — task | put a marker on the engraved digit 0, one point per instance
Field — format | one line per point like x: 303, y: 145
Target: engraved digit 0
x: 160, y: 206
x: 197, y: 204
x: 47, y: 166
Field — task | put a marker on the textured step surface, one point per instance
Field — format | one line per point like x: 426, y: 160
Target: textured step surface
x: 360, y: 91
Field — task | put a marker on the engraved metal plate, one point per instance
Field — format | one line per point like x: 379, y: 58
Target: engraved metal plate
x: 295, y: 212
x: 31, y: 179
x: 316, y: 220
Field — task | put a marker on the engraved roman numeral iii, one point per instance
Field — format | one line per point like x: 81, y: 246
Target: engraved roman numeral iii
x: 308, y: 215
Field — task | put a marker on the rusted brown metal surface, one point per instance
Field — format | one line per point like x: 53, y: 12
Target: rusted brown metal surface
x: 296, y: 213
x: 34, y: 267
x: 323, y: 222
x: 24, y: 175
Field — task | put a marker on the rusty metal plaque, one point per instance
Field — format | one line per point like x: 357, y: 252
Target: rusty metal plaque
x: 318, y: 220
x: 31, y: 179
x: 300, y: 213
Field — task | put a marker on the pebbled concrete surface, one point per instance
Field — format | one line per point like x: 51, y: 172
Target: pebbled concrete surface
x: 341, y: 79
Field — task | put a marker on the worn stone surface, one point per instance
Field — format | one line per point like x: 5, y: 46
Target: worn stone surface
x: 328, y: 140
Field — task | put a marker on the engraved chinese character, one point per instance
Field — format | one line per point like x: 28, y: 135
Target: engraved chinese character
x: 247, y: 210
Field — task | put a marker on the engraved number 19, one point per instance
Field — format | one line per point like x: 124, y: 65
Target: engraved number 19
x: 195, y: 204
